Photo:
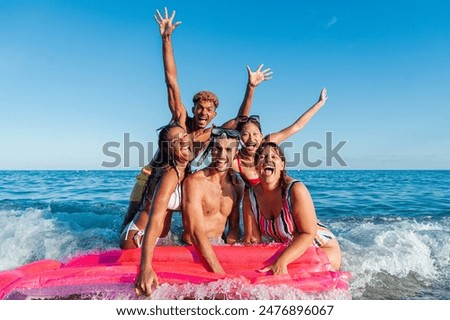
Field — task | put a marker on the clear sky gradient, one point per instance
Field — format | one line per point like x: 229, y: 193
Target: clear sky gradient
x: 75, y: 75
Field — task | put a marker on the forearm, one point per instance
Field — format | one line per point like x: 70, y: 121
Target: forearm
x: 205, y: 248
x: 246, y: 105
x: 305, y: 117
x: 298, y: 125
x: 170, y: 74
x: 170, y: 71
x: 296, y: 248
x: 244, y: 110
x: 152, y: 232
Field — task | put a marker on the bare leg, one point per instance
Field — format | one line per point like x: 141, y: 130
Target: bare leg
x: 333, y: 251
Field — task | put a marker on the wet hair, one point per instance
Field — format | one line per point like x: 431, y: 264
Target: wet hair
x: 205, y: 96
x: 279, y: 151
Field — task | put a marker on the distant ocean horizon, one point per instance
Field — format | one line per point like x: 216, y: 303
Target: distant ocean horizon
x: 393, y: 224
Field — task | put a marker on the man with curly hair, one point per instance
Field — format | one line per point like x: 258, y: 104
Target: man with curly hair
x: 204, y: 107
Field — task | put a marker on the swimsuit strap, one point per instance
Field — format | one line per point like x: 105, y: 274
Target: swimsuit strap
x: 254, y: 203
x: 279, y: 228
x: 249, y: 182
x: 288, y: 193
x: 239, y: 165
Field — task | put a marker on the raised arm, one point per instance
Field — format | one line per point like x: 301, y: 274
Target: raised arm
x: 254, y: 79
x: 305, y: 219
x: 298, y: 125
x: 158, y: 212
x: 166, y: 27
x: 193, y: 222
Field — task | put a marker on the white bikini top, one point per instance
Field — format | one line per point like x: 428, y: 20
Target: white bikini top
x: 175, y: 199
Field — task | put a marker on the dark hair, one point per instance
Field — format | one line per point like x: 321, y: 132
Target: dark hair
x: 242, y: 121
x: 283, y: 177
x: 163, y: 156
x: 218, y: 133
x: 161, y: 162
x: 205, y: 96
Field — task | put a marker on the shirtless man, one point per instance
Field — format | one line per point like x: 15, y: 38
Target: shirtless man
x: 204, y: 109
x: 211, y: 197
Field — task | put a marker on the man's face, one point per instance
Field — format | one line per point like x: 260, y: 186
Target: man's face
x: 204, y: 112
x: 223, y: 152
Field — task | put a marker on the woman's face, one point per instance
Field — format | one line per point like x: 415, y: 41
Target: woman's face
x: 180, y: 143
x: 251, y: 137
x: 269, y: 165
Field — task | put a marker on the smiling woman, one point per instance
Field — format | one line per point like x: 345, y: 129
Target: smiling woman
x: 251, y: 137
x: 280, y: 209
x: 171, y: 164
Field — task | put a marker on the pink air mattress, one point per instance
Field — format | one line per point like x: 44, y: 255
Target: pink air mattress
x: 174, y: 265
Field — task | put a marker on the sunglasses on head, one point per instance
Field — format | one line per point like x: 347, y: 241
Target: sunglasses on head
x: 230, y: 133
x: 252, y: 118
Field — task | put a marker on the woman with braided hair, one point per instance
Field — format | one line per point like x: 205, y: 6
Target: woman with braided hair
x: 162, y: 193
x: 280, y: 209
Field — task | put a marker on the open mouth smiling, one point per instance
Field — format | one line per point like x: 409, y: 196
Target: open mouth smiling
x: 251, y: 145
x: 185, y: 146
x: 269, y: 170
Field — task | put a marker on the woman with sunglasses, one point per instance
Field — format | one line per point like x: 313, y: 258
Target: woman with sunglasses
x: 251, y: 137
x: 162, y: 196
x: 280, y: 209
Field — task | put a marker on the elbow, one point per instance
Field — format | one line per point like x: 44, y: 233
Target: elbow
x: 170, y: 80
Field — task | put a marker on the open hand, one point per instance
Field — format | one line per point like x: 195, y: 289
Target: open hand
x: 323, y: 95
x: 166, y: 25
x: 255, y: 78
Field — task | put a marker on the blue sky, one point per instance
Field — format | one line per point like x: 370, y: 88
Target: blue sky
x: 75, y: 75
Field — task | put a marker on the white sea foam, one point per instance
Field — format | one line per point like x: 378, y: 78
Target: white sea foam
x: 33, y: 234
x: 389, y: 253
x: 382, y: 254
x: 236, y: 289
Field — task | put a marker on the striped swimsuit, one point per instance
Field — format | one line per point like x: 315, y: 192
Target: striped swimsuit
x: 283, y: 228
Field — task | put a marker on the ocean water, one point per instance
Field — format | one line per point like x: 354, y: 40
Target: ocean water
x: 393, y: 227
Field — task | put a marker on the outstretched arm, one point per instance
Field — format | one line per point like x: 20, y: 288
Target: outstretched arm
x: 298, y: 125
x: 158, y: 212
x: 193, y: 222
x: 254, y: 79
x: 166, y: 27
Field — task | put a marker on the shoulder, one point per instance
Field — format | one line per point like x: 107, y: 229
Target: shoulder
x: 195, y: 178
x: 168, y: 179
x: 169, y: 173
x: 299, y: 190
x: 296, y: 184
x: 189, y: 123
